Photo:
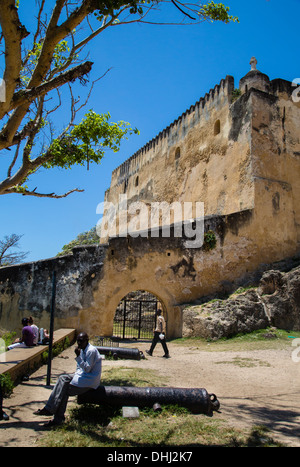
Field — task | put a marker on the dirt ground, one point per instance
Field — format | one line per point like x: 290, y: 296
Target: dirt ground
x: 253, y: 387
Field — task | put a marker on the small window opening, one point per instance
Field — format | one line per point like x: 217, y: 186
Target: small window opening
x: 217, y: 127
x: 177, y: 154
x: 137, y: 181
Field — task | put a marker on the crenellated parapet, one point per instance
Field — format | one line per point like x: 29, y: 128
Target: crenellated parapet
x: 218, y: 96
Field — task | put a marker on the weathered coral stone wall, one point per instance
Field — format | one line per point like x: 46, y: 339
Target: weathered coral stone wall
x: 27, y: 289
x: 195, y: 159
x: 275, y: 146
x: 92, y: 281
x: 241, y: 159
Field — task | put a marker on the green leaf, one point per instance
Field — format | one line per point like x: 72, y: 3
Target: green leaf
x: 88, y: 141
x: 216, y: 12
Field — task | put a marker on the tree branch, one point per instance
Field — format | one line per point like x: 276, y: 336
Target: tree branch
x: 14, y: 160
x: 69, y: 76
x: 46, y: 67
x: 23, y: 99
x: 40, y: 195
x: 55, y: 34
x: 184, y: 12
x: 13, y: 32
x: 10, y: 241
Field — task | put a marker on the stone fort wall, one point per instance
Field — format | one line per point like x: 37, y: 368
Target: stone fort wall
x: 221, y: 151
x: 240, y: 158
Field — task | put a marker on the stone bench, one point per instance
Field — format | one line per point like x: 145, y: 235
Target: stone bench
x: 23, y: 361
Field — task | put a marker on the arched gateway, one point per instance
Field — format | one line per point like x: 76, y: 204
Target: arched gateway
x: 136, y: 315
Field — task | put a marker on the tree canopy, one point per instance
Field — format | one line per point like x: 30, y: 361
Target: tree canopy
x: 86, y: 238
x: 38, y: 63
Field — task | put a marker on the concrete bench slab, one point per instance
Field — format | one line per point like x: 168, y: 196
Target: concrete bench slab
x: 22, y: 361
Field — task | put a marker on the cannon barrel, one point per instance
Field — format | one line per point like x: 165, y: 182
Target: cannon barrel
x: 195, y: 399
x: 121, y: 352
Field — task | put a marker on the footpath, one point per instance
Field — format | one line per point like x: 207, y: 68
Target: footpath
x: 23, y: 428
x: 257, y: 387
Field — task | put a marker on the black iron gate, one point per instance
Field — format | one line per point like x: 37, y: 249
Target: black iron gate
x: 135, y: 316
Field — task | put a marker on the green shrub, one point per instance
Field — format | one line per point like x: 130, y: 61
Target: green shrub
x: 8, y: 337
x: 6, y: 384
x: 210, y: 240
x: 56, y: 350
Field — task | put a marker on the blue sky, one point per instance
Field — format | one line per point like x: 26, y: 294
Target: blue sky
x: 157, y: 72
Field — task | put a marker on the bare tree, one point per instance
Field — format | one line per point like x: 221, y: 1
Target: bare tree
x: 10, y: 242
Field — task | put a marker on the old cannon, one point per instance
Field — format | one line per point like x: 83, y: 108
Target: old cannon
x: 121, y: 352
x: 196, y: 400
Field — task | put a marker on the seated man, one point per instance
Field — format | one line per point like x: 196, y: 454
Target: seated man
x: 87, y: 376
x: 27, y: 339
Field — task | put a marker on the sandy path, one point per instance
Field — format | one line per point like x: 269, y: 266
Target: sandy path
x: 257, y: 387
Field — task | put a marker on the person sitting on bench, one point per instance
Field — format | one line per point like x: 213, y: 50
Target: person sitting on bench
x: 86, y: 377
x: 27, y: 339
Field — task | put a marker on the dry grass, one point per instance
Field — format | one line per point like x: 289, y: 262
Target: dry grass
x: 104, y: 426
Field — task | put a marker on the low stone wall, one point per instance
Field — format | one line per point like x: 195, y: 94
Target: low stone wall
x: 26, y: 289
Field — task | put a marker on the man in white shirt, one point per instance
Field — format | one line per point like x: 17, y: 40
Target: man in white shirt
x: 159, y: 335
x: 87, y: 376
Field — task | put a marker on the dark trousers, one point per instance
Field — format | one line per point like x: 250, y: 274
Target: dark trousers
x: 157, y: 339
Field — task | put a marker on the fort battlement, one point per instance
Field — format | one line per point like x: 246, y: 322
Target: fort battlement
x: 219, y: 95
x: 218, y: 149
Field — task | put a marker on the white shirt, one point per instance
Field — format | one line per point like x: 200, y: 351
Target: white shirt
x: 88, y: 371
x: 160, y: 324
x: 36, y: 333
